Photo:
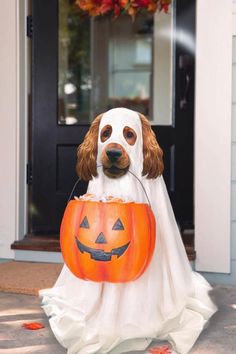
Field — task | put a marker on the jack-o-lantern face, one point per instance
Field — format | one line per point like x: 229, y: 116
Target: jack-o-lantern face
x: 96, y: 253
x: 107, y: 241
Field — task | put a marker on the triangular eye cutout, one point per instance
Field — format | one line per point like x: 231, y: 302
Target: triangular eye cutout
x: 85, y: 223
x: 118, y: 225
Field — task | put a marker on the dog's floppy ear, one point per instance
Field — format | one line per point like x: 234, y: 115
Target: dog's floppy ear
x: 152, y: 153
x: 86, y: 166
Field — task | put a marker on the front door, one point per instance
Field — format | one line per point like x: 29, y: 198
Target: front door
x: 82, y: 67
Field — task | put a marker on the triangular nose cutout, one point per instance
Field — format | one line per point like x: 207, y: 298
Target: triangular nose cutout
x: 118, y: 225
x: 101, y: 239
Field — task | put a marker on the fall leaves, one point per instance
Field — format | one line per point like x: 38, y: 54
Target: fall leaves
x: 160, y: 350
x: 33, y: 325
x: 116, y: 7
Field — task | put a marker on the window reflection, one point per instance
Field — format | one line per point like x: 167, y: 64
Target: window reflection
x: 103, y: 63
x: 74, y: 77
x: 130, y: 63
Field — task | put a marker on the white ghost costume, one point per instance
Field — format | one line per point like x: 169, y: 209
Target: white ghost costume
x: 168, y: 302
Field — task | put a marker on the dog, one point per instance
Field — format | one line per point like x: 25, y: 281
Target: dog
x: 121, y: 157
x: 115, y: 159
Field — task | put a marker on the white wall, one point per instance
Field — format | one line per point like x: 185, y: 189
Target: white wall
x: 213, y: 135
x: 231, y: 278
x: 8, y: 126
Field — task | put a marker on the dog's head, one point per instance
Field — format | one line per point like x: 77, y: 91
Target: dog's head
x: 116, y: 140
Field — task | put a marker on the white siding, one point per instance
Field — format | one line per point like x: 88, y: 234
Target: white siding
x: 234, y: 47
x: 234, y: 162
x: 234, y: 78
x: 233, y: 244
x: 234, y: 122
x: 233, y: 195
x: 233, y: 201
x: 233, y: 178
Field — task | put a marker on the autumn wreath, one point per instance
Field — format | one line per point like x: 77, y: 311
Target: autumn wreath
x: 116, y: 7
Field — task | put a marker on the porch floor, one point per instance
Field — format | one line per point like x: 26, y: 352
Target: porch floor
x: 218, y: 338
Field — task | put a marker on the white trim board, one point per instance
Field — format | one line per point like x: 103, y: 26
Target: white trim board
x: 213, y: 135
x: 8, y: 121
x: 13, y: 121
x: 22, y: 88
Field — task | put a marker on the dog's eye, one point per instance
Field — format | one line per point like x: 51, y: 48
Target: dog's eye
x: 129, y: 135
x: 106, y: 133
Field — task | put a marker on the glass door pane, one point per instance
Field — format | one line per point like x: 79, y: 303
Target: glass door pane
x: 74, y: 67
x: 130, y: 63
x: 106, y: 63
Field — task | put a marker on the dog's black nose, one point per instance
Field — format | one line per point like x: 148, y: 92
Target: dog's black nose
x: 113, y: 154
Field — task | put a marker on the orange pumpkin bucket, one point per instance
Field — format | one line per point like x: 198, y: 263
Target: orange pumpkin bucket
x: 107, y: 241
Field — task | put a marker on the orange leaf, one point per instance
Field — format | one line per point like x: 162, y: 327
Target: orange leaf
x: 152, y: 7
x: 132, y: 12
x: 124, y: 3
x: 159, y: 350
x: 33, y: 325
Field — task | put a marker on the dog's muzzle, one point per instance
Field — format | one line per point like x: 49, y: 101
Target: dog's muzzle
x: 115, y: 160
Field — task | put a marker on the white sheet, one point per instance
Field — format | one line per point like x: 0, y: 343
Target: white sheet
x: 168, y: 302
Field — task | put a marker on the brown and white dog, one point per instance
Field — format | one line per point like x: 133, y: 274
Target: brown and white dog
x: 168, y: 301
x: 115, y: 159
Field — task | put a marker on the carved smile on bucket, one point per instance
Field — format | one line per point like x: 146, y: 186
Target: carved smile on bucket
x: 101, y: 255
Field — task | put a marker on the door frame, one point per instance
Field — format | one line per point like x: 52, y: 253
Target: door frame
x: 23, y: 92
x: 203, y: 227
x: 9, y: 112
